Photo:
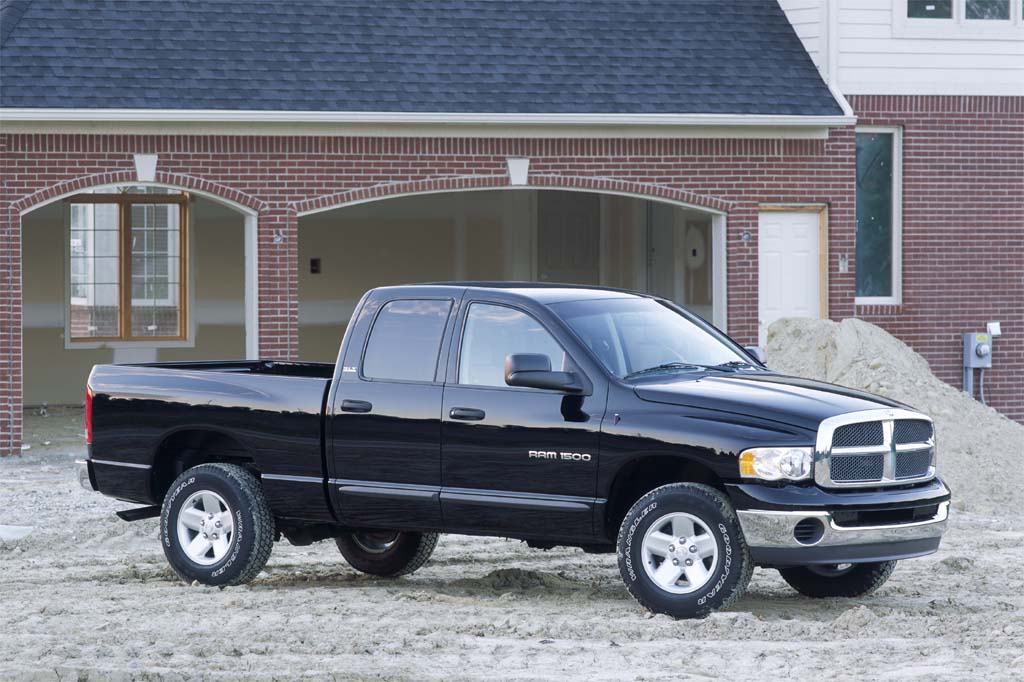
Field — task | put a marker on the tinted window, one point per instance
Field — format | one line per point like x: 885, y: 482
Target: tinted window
x: 632, y: 334
x: 405, y: 340
x: 930, y: 9
x: 494, y: 332
x: 874, y: 247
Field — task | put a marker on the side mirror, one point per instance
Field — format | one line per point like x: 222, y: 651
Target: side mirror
x: 757, y: 352
x: 533, y: 370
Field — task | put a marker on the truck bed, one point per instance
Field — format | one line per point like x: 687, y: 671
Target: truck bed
x: 263, y: 412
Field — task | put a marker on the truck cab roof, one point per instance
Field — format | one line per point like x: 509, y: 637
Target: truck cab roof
x: 541, y: 292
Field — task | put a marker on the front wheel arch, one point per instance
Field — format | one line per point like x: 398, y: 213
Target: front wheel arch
x: 643, y: 474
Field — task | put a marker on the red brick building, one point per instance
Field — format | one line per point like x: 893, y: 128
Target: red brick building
x: 249, y: 195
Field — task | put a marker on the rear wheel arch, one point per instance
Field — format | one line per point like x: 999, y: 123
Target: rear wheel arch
x: 187, y: 448
x: 643, y: 474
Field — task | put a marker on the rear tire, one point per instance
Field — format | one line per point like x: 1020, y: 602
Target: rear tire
x: 215, y: 526
x: 838, y: 580
x: 707, y: 571
x: 387, y: 554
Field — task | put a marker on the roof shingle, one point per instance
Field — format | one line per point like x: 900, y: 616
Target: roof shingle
x: 458, y: 56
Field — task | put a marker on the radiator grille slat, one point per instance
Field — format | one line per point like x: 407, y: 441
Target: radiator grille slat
x: 913, y: 463
x: 849, y: 468
x: 911, y: 431
x: 864, y: 434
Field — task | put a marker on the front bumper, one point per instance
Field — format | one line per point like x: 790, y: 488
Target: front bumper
x: 771, y: 536
x: 792, y: 525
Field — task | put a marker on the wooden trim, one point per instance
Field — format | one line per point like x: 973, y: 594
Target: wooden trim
x: 125, y: 201
x: 822, y: 211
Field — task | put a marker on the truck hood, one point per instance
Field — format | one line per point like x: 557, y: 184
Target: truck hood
x: 789, y: 400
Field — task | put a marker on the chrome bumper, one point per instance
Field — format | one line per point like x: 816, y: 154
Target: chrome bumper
x: 775, y: 530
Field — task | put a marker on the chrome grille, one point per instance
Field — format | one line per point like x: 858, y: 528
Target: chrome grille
x: 911, y: 431
x: 913, y: 463
x: 874, y: 448
x: 858, y: 435
x: 850, y: 468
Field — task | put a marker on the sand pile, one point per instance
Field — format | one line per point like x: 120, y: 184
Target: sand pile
x: 980, y: 452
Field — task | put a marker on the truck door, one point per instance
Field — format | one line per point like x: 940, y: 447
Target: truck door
x: 385, y: 427
x: 515, y: 459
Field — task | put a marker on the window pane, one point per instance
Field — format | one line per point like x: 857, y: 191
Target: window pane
x: 930, y: 9
x: 874, y: 214
x: 94, y: 265
x: 155, y: 269
x: 405, y: 340
x: 988, y: 9
x: 492, y: 334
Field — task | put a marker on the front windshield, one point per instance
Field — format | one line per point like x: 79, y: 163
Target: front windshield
x: 630, y: 335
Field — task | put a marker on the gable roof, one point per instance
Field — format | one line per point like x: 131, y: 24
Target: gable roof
x: 457, y: 56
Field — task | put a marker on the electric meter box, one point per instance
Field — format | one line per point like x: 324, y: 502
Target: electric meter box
x: 977, y: 350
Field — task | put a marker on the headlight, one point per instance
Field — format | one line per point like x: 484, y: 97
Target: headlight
x: 776, y: 464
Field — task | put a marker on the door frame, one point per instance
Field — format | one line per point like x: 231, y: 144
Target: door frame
x: 822, y: 211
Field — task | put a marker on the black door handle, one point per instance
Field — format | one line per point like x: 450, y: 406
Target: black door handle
x: 468, y: 414
x: 356, y: 406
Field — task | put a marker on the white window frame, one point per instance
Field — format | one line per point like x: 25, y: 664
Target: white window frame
x: 959, y: 26
x: 897, y: 219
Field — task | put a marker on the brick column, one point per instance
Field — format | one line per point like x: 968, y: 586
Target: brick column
x: 10, y: 330
x: 279, y: 282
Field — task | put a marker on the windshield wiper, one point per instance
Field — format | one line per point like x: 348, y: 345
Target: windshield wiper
x: 730, y: 366
x: 733, y: 365
x: 662, y: 367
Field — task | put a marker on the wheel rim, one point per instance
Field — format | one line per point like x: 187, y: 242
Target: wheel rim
x: 375, y: 542
x: 206, y: 528
x: 680, y: 553
x: 830, y: 570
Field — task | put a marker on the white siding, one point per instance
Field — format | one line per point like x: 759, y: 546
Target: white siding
x: 807, y: 19
x: 878, y: 54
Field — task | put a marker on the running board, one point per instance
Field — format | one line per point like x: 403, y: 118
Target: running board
x: 139, y: 513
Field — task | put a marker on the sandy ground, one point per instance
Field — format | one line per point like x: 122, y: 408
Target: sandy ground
x: 86, y: 596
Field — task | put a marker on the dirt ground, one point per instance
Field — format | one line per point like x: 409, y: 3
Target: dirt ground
x: 85, y: 596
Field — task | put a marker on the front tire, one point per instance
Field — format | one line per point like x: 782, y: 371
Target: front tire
x: 838, y: 580
x: 681, y: 551
x: 215, y: 526
x: 385, y: 553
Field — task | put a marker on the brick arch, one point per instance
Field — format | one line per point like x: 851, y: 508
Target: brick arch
x: 479, y: 182
x: 128, y: 176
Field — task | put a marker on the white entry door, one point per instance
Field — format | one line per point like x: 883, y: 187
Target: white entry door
x: 789, y: 281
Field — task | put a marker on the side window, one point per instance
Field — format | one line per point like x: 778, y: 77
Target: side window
x: 405, y: 340
x: 494, y: 332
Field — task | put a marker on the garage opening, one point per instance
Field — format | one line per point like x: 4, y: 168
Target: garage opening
x: 135, y: 273
x: 505, y: 235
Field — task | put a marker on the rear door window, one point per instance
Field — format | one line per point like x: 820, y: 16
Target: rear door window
x: 405, y: 340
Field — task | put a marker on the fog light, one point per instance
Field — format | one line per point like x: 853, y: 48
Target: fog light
x: 809, y: 531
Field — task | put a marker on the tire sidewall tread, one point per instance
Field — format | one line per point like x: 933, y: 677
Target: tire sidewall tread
x: 253, y: 532
x: 734, y: 570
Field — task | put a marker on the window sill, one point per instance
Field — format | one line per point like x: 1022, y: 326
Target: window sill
x: 872, y: 309
x: 114, y: 345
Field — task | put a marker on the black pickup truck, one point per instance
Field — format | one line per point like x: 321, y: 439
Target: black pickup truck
x: 559, y: 415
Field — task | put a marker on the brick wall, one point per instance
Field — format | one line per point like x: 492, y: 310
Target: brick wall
x: 283, y: 176
x: 963, y: 232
